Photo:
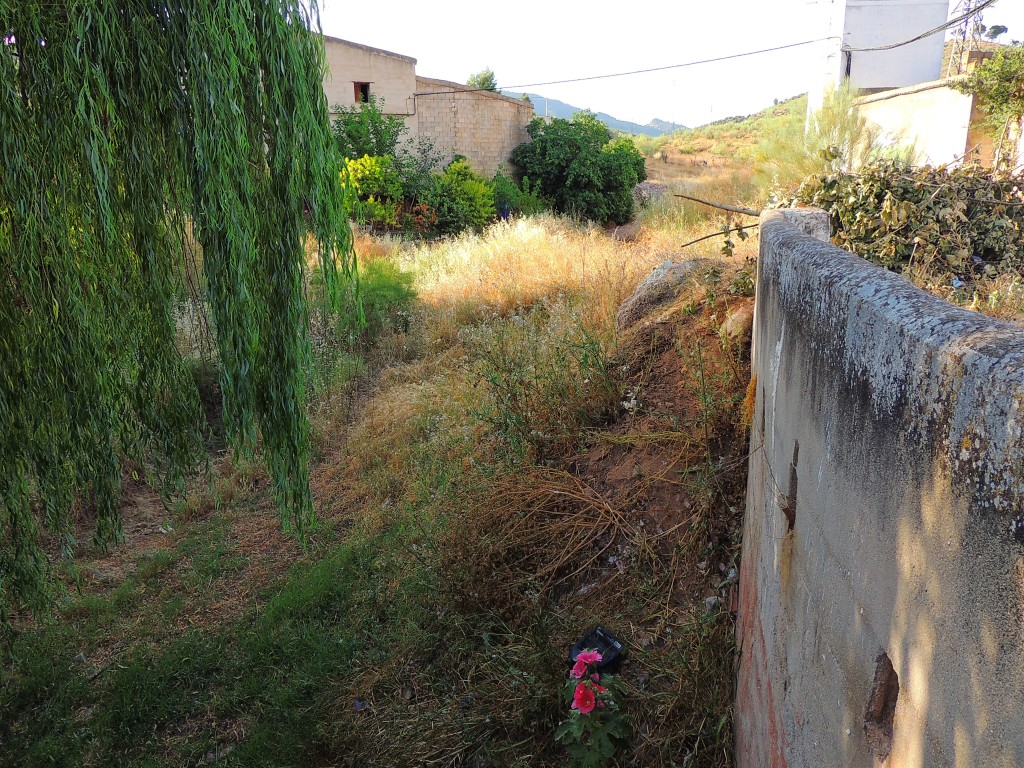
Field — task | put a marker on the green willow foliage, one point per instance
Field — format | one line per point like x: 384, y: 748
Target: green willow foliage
x: 130, y: 131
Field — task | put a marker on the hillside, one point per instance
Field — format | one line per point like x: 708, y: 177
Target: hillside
x: 556, y: 108
x: 725, y: 145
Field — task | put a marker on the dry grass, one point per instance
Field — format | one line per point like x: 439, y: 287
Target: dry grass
x: 454, y: 571
x: 519, y: 263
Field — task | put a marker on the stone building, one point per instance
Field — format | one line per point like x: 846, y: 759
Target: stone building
x: 483, y: 126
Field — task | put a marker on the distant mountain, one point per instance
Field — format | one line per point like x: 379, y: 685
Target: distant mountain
x: 556, y: 108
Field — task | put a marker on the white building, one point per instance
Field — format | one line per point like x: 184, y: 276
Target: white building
x: 854, y: 24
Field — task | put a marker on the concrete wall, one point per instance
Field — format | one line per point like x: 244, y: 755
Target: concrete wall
x: 483, y: 126
x: 932, y: 116
x: 392, y: 77
x: 884, y: 521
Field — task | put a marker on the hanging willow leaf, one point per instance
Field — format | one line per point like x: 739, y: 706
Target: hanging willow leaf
x: 130, y: 133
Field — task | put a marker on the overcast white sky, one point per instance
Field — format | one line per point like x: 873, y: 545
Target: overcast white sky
x: 532, y: 41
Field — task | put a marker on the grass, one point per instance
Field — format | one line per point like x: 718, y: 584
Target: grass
x: 485, y: 495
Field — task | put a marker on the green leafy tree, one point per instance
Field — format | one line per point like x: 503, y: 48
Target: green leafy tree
x: 484, y: 80
x: 130, y: 131
x: 580, y: 169
x: 999, y: 82
x: 364, y: 129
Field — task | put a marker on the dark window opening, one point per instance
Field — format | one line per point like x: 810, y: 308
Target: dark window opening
x: 362, y: 92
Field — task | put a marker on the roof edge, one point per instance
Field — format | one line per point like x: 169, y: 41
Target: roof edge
x: 369, y: 48
x: 906, y: 90
x: 448, y: 85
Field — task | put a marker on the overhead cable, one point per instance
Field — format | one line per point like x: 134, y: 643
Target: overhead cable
x: 941, y: 28
x: 640, y: 71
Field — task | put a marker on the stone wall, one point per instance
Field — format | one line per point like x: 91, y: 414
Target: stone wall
x: 392, y: 77
x: 483, y: 126
x: 881, y: 616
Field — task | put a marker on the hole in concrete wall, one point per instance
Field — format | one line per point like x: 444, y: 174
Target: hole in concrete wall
x: 881, y: 708
x: 789, y: 508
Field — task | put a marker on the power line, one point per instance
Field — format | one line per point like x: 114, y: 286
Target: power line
x: 942, y: 28
x: 641, y: 71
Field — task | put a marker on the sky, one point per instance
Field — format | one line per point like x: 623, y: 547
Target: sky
x: 538, y: 41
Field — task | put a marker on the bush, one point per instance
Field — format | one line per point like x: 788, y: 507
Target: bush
x: 387, y: 295
x: 998, y: 82
x: 947, y: 221
x: 363, y: 129
x: 511, y: 198
x: 378, y: 187
x: 460, y: 199
x: 580, y: 169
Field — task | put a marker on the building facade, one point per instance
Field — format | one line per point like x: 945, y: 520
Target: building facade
x: 481, y: 125
x: 851, y: 25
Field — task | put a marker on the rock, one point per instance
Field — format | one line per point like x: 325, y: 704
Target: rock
x: 647, y: 192
x: 661, y: 286
x: 627, y: 233
x: 738, y: 325
x: 710, y: 603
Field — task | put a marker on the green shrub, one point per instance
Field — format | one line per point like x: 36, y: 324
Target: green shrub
x: 417, y: 160
x: 546, y: 377
x: 998, y: 82
x: 378, y: 187
x: 362, y: 129
x: 837, y: 138
x: 460, y: 199
x: 947, y: 221
x: 511, y: 198
x: 580, y: 169
x: 387, y: 295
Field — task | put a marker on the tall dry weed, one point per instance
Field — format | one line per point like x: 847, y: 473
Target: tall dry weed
x: 517, y: 264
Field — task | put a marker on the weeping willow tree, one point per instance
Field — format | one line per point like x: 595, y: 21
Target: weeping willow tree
x: 130, y: 133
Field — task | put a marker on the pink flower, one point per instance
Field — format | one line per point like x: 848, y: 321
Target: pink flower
x: 583, y: 699
x: 595, y: 677
x: 579, y: 669
x: 599, y: 688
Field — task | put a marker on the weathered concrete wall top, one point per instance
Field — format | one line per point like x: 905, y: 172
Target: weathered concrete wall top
x: 882, y: 583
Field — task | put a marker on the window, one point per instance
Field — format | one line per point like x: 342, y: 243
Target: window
x: 362, y: 92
